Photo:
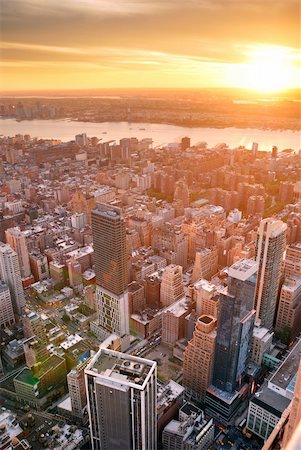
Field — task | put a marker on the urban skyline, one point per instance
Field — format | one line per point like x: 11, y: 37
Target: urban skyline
x: 150, y: 225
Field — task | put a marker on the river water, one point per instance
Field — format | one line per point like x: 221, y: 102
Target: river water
x: 160, y: 133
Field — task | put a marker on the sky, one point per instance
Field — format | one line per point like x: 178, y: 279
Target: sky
x: 84, y: 44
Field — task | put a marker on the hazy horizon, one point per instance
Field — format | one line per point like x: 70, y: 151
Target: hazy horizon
x: 149, y: 44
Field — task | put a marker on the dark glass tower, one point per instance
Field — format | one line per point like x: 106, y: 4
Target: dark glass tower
x: 235, y: 326
x: 109, y: 238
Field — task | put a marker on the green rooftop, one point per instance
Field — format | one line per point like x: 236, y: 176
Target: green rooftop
x: 26, y: 377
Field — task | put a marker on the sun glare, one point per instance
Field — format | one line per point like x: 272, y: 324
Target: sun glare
x: 270, y: 69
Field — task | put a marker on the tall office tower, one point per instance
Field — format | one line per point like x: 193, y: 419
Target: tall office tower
x: 270, y: 247
x: 172, y: 287
x: 109, y: 238
x: 11, y: 275
x: 121, y: 398
x: 33, y: 325
x: 235, y: 326
x: 77, y: 389
x: 292, y: 262
x: 17, y: 241
x: 7, y: 317
x: 206, y: 297
x: 289, y: 308
x: 294, y: 419
x: 205, y: 264
x: 199, y: 358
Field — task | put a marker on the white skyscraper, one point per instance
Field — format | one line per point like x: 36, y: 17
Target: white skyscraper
x: 121, y: 393
x: 7, y: 317
x: 11, y: 275
x: 270, y: 248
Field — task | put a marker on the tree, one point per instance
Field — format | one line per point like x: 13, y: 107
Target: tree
x: 284, y: 334
x: 66, y: 318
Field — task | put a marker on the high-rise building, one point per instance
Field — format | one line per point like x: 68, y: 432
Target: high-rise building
x: 172, y: 287
x: 77, y: 389
x: 294, y: 420
x: 206, y: 297
x: 109, y: 238
x: 121, y: 398
x: 199, y: 358
x: 261, y: 343
x: 33, y: 325
x: 292, y: 262
x: 17, y: 241
x: 192, y: 433
x: 11, y: 275
x: 270, y: 247
x: 7, y: 317
x: 185, y: 142
x: 205, y: 264
x: 289, y: 308
x: 235, y: 325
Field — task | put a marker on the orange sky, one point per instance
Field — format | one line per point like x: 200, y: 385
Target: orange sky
x: 52, y: 44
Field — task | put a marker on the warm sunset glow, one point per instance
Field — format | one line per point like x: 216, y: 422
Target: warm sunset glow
x: 270, y: 70
x: 84, y: 44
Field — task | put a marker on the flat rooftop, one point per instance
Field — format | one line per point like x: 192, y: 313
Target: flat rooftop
x: 292, y: 284
x: 178, y: 308
x: 204, y: 284
x: 287, y: 370
x: 270, y: 400
x: 120, y: 367
x: 243, y: 269
x: 225, y: 396
x: 103, y: 209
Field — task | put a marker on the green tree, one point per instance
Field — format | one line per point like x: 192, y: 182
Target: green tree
x: 284, y: 334
x: 66, y: 318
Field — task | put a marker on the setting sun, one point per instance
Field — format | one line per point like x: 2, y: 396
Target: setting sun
x: 270, y: 70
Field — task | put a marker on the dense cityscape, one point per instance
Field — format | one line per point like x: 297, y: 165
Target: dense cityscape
x: 150, y: 225
x: 150, y: 295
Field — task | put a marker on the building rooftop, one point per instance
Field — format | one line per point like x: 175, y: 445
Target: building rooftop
x: 9, y: 424
x: 243, y: 269
x: 120, y: 367
x: 292, y: 284
x: 204, y: 284
x: 167, y: 394
x: 270, y: 400
x: 178, y: 308
x: 287, y: 370
x: 103, y: 209
x: 260, y: 332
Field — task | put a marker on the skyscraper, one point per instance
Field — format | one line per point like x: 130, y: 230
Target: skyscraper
x: 199, y: 358
x: 294, y: 420
x: 172, y: 287
x: 109, y: 238
x: 17, y: 241
x: 11, y: 275
x: 235, y: 325
x: 270, y: 247
x: 121, y: 394
x: 7, y: 317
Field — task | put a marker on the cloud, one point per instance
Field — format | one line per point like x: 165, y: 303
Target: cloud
x: 133, y: 34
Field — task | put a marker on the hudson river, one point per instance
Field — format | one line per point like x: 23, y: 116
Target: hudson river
x: 160, y: 133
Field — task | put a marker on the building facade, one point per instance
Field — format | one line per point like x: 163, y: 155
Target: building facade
x: 121, y: 393
x: 270, y: 247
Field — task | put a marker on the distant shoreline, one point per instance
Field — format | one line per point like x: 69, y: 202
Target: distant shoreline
x: 169, y: 123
